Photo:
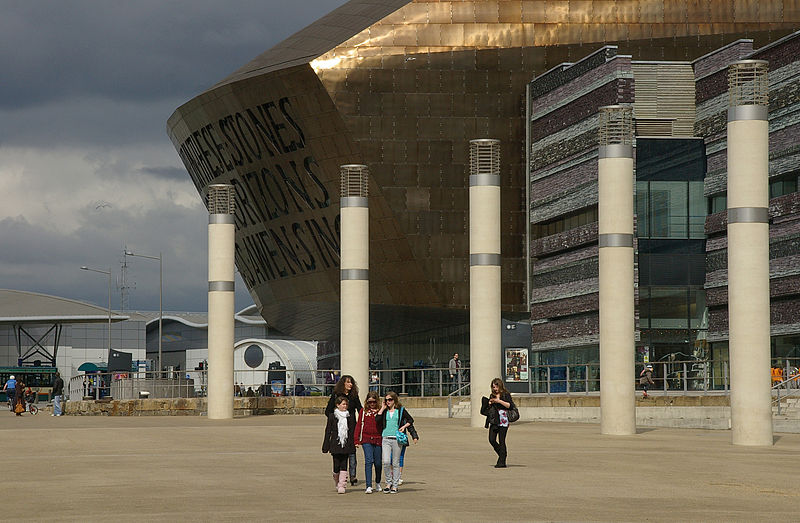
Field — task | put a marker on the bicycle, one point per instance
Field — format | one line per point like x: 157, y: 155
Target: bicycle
x: 29, y: 406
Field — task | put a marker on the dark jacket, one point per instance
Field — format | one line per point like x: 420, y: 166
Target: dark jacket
x: 380, y: 420
x: 491, y: 410
x: 58, y: 387
x: 353, y: 405
x: 331, y: 442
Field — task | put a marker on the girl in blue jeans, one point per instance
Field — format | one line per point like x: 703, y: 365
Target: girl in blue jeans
x: 391, y: 419
x: 369, y: 437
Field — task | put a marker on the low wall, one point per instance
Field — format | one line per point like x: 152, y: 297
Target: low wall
x: 710, y: 412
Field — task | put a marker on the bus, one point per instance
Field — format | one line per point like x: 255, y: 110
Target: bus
x: 40, y: 379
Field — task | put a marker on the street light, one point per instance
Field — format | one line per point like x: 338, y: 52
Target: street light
x: 108, y: 272
x: 160, y: 296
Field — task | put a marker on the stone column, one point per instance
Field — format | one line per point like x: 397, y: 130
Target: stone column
x: 615, y: 242
x: 748, y: 253
x: 221, y: 231
x: 484, y: 271
x: 354, y: 305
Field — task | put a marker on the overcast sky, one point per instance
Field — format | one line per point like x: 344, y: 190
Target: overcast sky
x: 86, y: 167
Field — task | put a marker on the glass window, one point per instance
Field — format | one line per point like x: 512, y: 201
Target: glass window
x: 667, y: 307
x: 697, y: 210
x: 669, y: 209
x: 783, y: 187
x: 642, y: 218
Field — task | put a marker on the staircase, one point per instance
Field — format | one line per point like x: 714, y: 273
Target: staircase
x: 789, y: 418
x: 462, y: 409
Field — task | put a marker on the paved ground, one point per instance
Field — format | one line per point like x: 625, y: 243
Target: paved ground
x: 270, y: 468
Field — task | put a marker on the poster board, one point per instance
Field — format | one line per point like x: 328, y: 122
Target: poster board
x: 516, y: 364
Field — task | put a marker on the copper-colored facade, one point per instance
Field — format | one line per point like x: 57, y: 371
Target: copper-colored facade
x: 402, y: 86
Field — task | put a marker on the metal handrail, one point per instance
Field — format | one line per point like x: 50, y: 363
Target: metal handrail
x: 450, y: 399
x: 785, y: 384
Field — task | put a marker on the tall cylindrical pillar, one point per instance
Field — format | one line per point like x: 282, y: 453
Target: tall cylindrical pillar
x: 484, y: 271
x: 354, y: 265
x: 748, y: 253
x: 221, y: 231
x: 615, y: 242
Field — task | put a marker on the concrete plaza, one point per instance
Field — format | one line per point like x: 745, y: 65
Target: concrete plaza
x: 270, y: 468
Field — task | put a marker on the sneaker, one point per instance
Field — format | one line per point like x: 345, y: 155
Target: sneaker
x: 386, y: 490
x: 393, y: 490
x: 353, y: 481
x: 368, y: 491
x: 400, y: 481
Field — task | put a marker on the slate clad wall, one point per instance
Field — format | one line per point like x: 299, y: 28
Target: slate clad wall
x: 784, y: 159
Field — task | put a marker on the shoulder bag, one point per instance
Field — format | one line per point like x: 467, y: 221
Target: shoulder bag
x: 402, y: 439
x: 512, y: 413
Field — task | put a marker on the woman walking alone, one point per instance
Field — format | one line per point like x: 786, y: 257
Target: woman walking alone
x: 347, y: 387
x: 495, y: 408
x: 338, y: 441
x: 391, y: 419
x: 369, y: 437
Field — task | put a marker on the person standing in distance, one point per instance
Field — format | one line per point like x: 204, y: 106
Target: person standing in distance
x: 646, y: 379
x: 454, y: 367
x: 347, y: 387
x: 495, y: 408
x: 58, y: 395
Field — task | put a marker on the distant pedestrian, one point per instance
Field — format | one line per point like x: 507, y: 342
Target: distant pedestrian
x: 19, y: 399
x: 10, y: 388
x: 347, y: 387
x: 369, y: 437
x: 58, y: 394
x: 495, y: 408
x: 646, y: 379
x: 391, y: 419
x: 454, y: 368
x: 339, y: 441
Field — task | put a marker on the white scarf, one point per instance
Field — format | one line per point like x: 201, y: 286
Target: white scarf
x: 341, y: 417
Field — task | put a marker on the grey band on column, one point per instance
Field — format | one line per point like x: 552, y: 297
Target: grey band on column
x: 615, y: 150
x: 484, y: 179
x: 220, y: 286
x: 748, y: 215
x: 220, y: 218
x: 747, y: 112
x: 484, y: 259
x: 354, y: 201
x: 354, y: 274
x: 615, y: 240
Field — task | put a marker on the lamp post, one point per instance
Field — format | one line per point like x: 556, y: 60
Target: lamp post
x: 160, y: 296
x: 108, y: 272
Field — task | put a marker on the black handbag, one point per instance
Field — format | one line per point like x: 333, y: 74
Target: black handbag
x: 512, y: 413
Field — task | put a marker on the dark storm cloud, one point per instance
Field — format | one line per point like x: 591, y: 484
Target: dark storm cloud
x: 143, y: 50
x: 86, y: 87
x: 81, y: 68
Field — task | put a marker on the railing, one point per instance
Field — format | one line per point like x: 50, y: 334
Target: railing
x: 423, y: 382
x: 790, y: 385
x: 670, y: 377
x: 450, y: 398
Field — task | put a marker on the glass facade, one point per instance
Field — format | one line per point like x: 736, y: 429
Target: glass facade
x: 671, y: 213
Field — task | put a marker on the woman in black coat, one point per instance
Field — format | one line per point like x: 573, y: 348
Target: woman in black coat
x: 339, y: 442
x: 495, y: 408
x: 347, y: 387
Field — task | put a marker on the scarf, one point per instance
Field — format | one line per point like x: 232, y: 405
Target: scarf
x: 341, y: 418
